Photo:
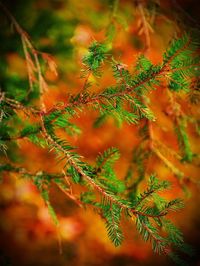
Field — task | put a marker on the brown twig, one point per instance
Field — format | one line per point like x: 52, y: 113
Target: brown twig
x: 144, y: 26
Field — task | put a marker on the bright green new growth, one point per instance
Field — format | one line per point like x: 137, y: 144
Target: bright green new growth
x: 95, y: 57
x: 127, y: 102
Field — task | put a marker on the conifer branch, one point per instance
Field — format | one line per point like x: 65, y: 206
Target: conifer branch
x: 127, y: 101
x: 68, y: 191
x: 144, y: 26
x: 159, y: 244
x: 73, y: 162
x: 13, y: 20
x: 175, y: 170
x: 30, y: 52
x: 55, y: 178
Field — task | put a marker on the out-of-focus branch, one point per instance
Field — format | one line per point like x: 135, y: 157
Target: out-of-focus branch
x: 144, y: 26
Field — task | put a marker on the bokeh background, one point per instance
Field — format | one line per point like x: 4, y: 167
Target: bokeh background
x: 65, y: 28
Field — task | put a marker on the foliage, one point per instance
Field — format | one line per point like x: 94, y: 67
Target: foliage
x: 127, y: 101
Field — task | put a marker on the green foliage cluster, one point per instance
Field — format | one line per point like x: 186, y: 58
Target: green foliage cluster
x: 95, y: 57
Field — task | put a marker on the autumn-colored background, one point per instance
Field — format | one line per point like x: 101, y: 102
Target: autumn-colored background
x: 65, y: 29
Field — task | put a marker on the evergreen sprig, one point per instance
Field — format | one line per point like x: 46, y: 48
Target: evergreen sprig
x: 95, y: 57
x: 112, y: 214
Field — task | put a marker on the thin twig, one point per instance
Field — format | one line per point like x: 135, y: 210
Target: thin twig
x: 145, y: 26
